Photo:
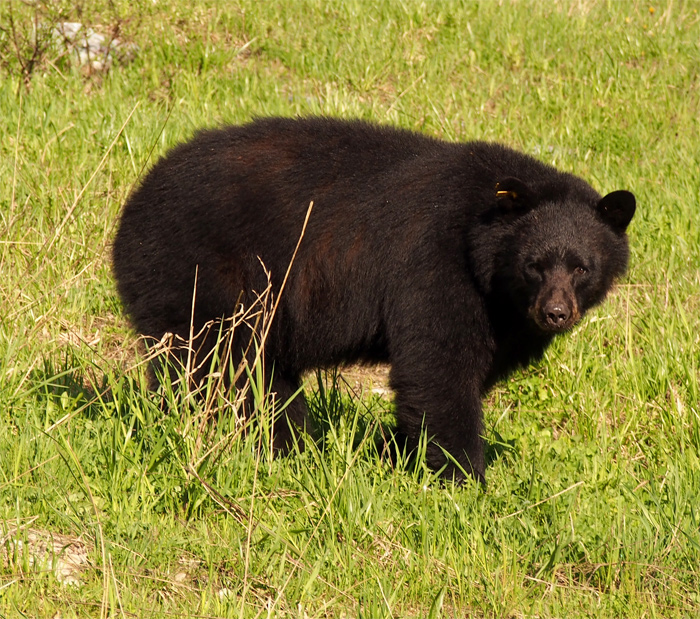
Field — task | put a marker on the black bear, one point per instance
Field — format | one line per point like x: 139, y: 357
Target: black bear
x: 454, y: 262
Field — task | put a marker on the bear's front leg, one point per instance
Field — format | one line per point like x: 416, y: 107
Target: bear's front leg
x: 450, y: 415
x: 440, y: 364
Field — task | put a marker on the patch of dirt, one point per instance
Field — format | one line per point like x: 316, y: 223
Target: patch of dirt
x: 65, y: 555
x: 368, y: 379
x: 358, y: 381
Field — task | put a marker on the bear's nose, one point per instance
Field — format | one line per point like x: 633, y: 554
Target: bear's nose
x: 557, y: 314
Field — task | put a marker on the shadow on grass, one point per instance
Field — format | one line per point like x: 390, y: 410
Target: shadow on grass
x: 66, y: 385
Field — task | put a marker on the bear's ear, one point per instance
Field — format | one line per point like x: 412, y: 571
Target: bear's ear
x: 617, y: 209
x: 513, y: 195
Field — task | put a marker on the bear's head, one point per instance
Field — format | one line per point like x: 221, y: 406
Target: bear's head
x: 563, y: 250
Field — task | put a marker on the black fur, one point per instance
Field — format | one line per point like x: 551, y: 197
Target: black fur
x: 454, y: 262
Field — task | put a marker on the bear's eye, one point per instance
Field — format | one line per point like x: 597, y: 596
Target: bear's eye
x: 580, y: 270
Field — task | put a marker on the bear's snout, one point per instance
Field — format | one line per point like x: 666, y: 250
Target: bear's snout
x: 556, y: 315
x: 555, y: 309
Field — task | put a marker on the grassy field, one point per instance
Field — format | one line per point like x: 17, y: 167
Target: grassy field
x: 591, y: 509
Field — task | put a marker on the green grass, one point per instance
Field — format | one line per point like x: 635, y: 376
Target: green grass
x: 592, y: 504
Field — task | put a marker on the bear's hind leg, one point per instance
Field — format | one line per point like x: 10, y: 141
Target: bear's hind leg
x: 291, y: 413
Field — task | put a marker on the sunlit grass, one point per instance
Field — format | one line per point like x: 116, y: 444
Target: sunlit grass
x: 591, y: 503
